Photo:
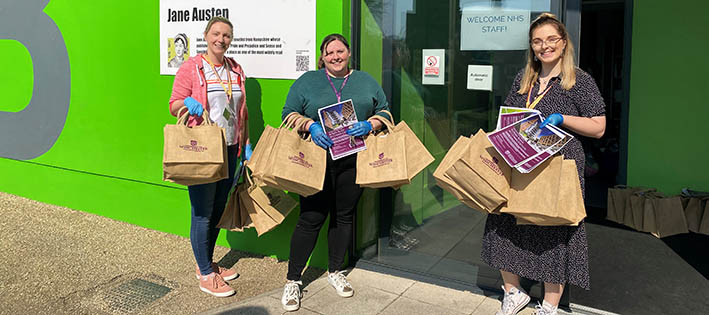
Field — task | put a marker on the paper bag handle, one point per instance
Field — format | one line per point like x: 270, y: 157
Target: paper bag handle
x: 386, y: 122
x: 182, y: 118
x: 290, y: 119
x: 391, y: 117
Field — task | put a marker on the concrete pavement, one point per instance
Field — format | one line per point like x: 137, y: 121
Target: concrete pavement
x: 56, y: 260
x: 378, y: 290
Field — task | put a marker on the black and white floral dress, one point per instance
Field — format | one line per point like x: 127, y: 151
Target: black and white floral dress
x: 555, y: 254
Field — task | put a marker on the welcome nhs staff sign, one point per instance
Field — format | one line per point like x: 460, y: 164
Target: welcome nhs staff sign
x: 494, y: 30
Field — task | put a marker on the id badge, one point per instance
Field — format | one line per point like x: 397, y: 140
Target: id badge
x: 226, y: 114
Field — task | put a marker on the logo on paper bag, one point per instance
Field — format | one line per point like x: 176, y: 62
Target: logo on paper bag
x: 492, y: 164
x: 300, y: 160
x: 193, y: 147
x: 381, y: 161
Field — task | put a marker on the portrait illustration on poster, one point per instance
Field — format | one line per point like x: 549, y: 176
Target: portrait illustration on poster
x: 178, y: 50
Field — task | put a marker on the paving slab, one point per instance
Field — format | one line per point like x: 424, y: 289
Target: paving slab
x: 452, y: 299
x: 489, y: 305
x: 384, y: 282
x: 366, y: 300
x: 406, y: 306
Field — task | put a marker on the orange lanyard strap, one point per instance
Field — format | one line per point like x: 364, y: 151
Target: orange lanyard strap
x: 221, y: 82
x: 539, y: 98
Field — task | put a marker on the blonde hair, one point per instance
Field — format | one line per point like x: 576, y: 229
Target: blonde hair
x: 218, y: 19
x: 568, y: 66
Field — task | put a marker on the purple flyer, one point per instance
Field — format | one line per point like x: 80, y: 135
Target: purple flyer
x: 524, y: 140
x: 508, y: 119
x: 336, y: 119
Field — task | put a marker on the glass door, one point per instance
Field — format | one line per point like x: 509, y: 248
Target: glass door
x: 446, y: 66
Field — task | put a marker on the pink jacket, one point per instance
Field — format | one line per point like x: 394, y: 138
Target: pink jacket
x: 190, y: 81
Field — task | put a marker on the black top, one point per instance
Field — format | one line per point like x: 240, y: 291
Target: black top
x: 583, y: 99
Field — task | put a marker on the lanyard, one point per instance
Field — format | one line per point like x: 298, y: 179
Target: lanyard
x: 337, y: 93
x: 221, y: 82
x: 538, y: 98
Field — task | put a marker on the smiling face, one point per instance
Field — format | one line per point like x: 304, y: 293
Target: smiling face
x: 548, y: 45
x: 337, y: 58
x: 218, y: 38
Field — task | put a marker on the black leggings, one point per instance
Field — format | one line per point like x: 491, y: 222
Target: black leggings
x: 339, y: 198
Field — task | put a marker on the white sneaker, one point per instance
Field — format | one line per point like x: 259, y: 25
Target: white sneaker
x: 339, y: 282
x: 545, y: 309
x: 291, y: 296
x: 513, y: 302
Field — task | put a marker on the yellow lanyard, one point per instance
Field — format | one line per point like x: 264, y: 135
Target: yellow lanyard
x: 221, y: 82
x: 539, y: 98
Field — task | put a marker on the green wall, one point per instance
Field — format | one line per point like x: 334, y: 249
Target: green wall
x: 107, y: 161
x: 667, y: 140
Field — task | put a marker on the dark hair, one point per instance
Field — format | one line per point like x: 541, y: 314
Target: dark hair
x: 327, y: 40
x: 181, y: 37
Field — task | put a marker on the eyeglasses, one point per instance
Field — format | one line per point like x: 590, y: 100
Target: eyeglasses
x: 551, y: 42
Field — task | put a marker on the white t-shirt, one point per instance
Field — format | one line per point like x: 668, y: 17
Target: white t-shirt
x: 223, y: 114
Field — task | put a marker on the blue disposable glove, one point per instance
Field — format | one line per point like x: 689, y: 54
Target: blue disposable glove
x: 193, y: 106
x: 553, y: 119
x: 247, y: 151
x: 360, y: 128
x: 319, y: 136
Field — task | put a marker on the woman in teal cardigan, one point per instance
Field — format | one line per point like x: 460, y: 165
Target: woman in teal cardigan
x: 332, y: 83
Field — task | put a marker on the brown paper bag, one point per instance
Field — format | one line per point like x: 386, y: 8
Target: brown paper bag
x: 417, y: 156
x: 482, y: 173
x: 649, y: 223
x: 669, y: 216
x: 274, y: 202
x: 261, y: 221
x: 383, y: 163
x: 635, y: 210
x: 704, y: 224
x: 297, y: 165
x: 262, y: 150
x: 258, y: 164
x: 693, y: 212
x: 549, y: 195
x: 618, y: 201
x: 194, y: 155
x: 231, y: 218
x: 456, y: 151
x: 244, y: 213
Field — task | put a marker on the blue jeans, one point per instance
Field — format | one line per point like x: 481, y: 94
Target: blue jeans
x: 208, y: 203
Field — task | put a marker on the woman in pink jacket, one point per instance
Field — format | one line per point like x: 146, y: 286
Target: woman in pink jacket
x: 214, y: 83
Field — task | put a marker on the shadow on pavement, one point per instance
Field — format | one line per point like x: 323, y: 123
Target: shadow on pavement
x: 251, y: 310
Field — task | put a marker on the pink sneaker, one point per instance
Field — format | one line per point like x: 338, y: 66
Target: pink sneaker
x: 226, y: 273
x: 215, y: 285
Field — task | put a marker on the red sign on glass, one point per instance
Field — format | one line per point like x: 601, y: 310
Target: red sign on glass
x: 432, y: 66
